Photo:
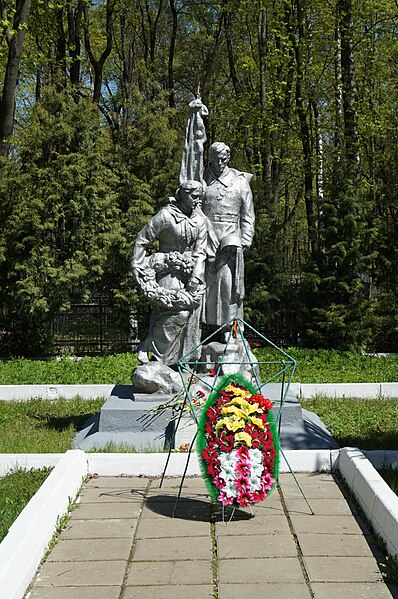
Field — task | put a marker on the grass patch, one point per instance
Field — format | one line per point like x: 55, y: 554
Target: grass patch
x: 16, y: 489
x: 364, y: 423
x: 313, y: 366
x: 332, y: 366
x: 391, y: 477
x: 104, y: 370
x: 42, y: 426
x: 111, y: 447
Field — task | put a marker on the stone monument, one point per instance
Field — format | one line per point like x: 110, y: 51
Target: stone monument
x: 196, y: 276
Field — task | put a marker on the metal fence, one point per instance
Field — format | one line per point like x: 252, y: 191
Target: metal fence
x: 95, y: 328
x: 99, y: 328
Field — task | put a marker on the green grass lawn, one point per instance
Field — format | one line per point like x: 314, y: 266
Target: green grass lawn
x: 331, y: 366
x: 106, y: 370
x: 16, y: 489
x: 313, y: 366
x: 42, y: 426
x: 364, y: 423
x: 391, y: 477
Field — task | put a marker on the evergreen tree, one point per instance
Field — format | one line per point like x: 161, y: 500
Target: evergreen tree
x: 60, y: 217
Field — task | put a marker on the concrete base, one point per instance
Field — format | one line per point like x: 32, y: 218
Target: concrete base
x: 125, y: 421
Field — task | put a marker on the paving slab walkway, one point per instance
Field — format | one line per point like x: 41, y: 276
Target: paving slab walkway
x: 123, y: 543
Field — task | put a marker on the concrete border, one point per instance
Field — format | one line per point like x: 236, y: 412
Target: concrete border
x: 306, y: 391
x: 26, y: 461
x: 23, y: 548
x: 27, y: 540
x: 377, y: 500
x: 27, y: 392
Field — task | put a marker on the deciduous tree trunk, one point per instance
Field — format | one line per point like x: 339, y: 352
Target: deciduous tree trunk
x: 14, y: 38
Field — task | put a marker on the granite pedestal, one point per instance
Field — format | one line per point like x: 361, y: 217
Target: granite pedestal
x: 125, y: 420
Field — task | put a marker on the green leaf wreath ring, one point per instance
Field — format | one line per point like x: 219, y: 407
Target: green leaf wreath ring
x: 238, y: 444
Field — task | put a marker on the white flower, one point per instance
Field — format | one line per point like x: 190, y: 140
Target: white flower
x: 257, y: 469
x: 256, y: 456
x: 255, y: 482
x: 230, y: 489
x: 227, y: 459
x: 227, y: 472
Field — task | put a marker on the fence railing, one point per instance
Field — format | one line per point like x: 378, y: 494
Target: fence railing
x: 94, y: 328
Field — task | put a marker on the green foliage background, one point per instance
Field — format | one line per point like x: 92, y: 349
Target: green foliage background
x: 304, y: 92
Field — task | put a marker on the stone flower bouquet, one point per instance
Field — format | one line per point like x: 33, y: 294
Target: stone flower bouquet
x: 238, y: 444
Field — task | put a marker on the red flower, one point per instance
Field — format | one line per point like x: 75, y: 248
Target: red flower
x: 258, y: 495
x: 245, y: 498
x: 243, y: 468
x: 224, y: 499
x: 226, y: 440
x: 262, y: 401
x: 213, y: 468
x: 212, y: 372
x: 200, y: 393
x: 242, y: 484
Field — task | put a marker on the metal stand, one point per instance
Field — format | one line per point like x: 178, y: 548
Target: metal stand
x: 284, y: 366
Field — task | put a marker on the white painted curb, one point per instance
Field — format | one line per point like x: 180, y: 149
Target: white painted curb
x: 141, y: 464
x: 309, y: 460
x: 304, y: 390
x: 27, y: 461
x: 360, y: 390
x: 26, y: 392
x: 27, y: 540
x: 377, y: 500
x: 152, y: 464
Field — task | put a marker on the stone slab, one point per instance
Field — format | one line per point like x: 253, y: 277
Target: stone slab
x: 279, y: 590
x: 176, y: 549
x: 230, y: 547
x: 173, y: 527
x: 343, y: 569
x: 198, y: 572
x: 131, y: 441
x: 125, y: 415
x: 321, y: 507
x: 107, y: 592
x: 269, y: 525
x: 307, y: 478
x: 102, y: 573
x: 331, y: 590
x: 190, y: 482
x: 79, y: 550
x: 112, y: 495
x: 100, y: 529
x: 261, y: 570
x: 103, y: 511
x: 343, y: 525
x: 190, y: 511
x: 324, y: 545
x: 117, y: 482
x: 202, y: 591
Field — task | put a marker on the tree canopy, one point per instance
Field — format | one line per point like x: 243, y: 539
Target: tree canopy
x: 94, y: 97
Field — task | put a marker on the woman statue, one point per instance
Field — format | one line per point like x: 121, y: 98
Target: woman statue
x: 173, y: 278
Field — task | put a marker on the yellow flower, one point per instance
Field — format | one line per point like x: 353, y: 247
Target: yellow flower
x: 232, y: 424
x: 246, y: 407
x: 257, y: 422
x: 222, y: 422
x: 243, y: 438
x: 228, y: 409
x: 237, y: 391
